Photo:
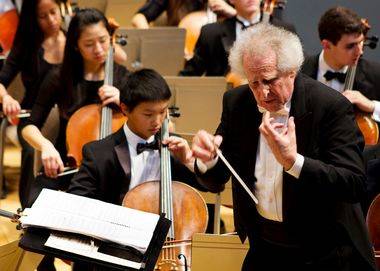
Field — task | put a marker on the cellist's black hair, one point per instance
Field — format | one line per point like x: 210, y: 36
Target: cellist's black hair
x: 338, y: 21
x: 145, y: 85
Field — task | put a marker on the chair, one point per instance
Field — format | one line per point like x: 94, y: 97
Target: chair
x: 373, y: 224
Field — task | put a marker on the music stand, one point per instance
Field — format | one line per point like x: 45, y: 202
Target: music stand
x: 35, y: 238
x: 159, y: 48
x: 199, y: 100
x: 217, y: 252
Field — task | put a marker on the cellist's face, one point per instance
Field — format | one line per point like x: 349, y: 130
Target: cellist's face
x: 146, y: 118
x: 93, y: 44
x: 346, y: 51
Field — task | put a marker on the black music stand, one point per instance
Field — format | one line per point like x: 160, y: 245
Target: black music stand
x: 34, y: 239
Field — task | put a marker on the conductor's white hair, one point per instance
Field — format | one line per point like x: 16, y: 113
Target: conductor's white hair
x: 257, y: 40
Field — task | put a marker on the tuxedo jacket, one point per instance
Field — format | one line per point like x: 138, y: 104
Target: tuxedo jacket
x: 105, y: 172
x: 367, y: 78
x: 323, y: 202
x: 213, y: 46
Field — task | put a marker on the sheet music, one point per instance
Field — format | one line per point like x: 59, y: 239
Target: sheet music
x: 81, y: 247
x: 71, y: 213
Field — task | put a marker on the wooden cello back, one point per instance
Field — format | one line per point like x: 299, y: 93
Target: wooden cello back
x: 373, y: 224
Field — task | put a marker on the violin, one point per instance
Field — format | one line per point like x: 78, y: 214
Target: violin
x: 181, y: 204
x: 366, y: 124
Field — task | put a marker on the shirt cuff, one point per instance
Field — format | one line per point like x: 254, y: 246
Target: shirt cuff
x: 295, y: 170
x: 204, y: 166
x: 376, y: 111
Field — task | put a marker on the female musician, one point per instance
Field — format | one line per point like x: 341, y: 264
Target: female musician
x: 38, y: 46
x: 79, y: 82
x: 177, y: 9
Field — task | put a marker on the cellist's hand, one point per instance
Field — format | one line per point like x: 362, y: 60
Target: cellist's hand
x: 11, y: 107
x: 51, y: 160
x: 358, y: 99
x: 109, y: 94
x: 180, y: 149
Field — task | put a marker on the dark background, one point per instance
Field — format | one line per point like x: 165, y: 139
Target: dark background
x: 305, y: 14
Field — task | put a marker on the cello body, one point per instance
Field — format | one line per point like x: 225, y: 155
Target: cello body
x: 190, y: 216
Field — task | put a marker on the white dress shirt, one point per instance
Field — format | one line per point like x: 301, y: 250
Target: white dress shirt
x: 247, y: 23
x: 144, y: 166
x: 323, y: 67
x: 269, y: 173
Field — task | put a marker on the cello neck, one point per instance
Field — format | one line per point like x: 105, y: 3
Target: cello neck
x: 106, y: 118
x: 350, y: 77
x: 166, y: 194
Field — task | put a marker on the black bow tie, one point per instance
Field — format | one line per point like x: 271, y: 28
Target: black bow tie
x: 147, y: 146
x: 243, y: 26
x: 341, y: 77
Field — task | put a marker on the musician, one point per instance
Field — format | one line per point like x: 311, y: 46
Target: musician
x: 294, y: 143
x: 122, y: 156
x: 212, y: 48
x: 177, y: 9
x: 79, y: 82
x: 116, y: 164
x: 342, y: 33
x: 37, y: 48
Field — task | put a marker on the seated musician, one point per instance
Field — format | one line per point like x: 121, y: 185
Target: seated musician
x: 212, y: 48
x: 177, y: 9
x: 294, y: 143
x: 342, y: 34
x: 79, y: 82
x: 116, y: 164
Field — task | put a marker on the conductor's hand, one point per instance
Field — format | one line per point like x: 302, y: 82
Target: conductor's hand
x: 109, y: 94
x: 51, y: 160
x: 204, y: 145
x: 281, y: 140
x: 180, y: 149
x: 358, y: 99
x: 11, y: 107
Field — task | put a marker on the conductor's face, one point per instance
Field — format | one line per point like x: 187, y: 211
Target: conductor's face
x: 271, y: 88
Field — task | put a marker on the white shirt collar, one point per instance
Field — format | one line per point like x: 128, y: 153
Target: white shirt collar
x: 134, y: 139
x: 246, y: 22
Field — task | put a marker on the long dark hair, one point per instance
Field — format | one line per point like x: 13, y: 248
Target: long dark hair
x: 72, y: 70
x: 29, y: 36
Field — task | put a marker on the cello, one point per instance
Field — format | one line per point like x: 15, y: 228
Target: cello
x: 373, y: 224
x: 366, y: 124
x: 95, y: 121
x: 182, y: 205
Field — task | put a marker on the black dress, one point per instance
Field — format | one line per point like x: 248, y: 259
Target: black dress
x: 33, y: 72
